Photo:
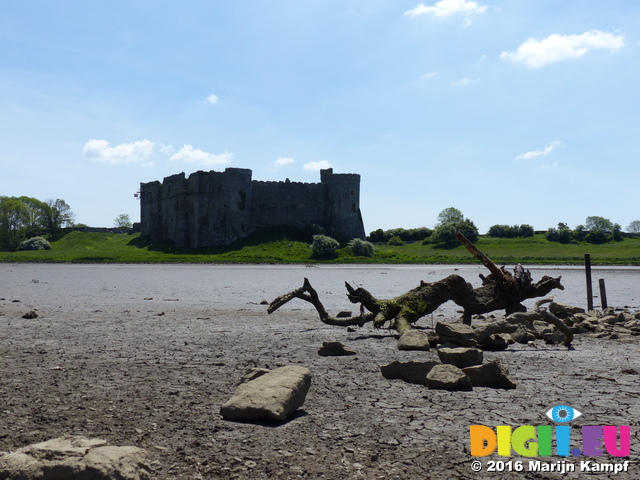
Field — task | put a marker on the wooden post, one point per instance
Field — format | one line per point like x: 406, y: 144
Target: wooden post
x: 603, y: 294
x: 587, y: 269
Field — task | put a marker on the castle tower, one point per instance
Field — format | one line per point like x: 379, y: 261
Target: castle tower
x: 342, y: 204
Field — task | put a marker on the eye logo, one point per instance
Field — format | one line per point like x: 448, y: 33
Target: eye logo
x: 563, y: 413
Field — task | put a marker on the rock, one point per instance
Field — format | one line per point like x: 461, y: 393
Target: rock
x: 553, y: 338
x: 413, y: 340
x: 460, y: 357
x: 272, y: 396
x: 343, y: 314
x: 448, y: 377
x: 76, y: 458
x: 457, y: 333
x: 523, y: 335
x: 411, y: 372
x: 610, y: 319
x: 561, y: 310
x: 496, y: 342
x: 485, y: 330
x: 252, y: 373
x: 492, y: 374
x: 32, y: 314
x: 334, y: 349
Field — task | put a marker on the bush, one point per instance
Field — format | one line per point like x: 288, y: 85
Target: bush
x: 395, y: 241
x: 562, y: 234
x: 506, y: 231
x: 410, y: 235
x: 377, y: 236
x: 35, y: 243
x: 323, y: 246
x: 445, y: 235
x: 361, y: 248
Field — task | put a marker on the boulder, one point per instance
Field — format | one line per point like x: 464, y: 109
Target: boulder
x: 251, y: 374
x: 448, y: 377
x: 413, y: 340
x: 461, y: 356
x: 334, y: 349
x: 75, y: 458
x: 492, y: 374
x: 457, y: 333
x: 562, y: 310
x: 523, y: 335
x: 410, y: 372
x: 497, y: 342
x: 273, y: 396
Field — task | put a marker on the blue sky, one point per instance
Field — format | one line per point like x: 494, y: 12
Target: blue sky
x: 511, y: 111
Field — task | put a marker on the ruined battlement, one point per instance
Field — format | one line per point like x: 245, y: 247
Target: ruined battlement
x: 217, y: 208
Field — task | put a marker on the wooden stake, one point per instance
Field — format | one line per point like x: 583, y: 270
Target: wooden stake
x: 587, y: 270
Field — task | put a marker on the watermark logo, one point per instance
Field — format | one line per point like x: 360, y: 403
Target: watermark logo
x: 549, y: 440
x: 538, y: 441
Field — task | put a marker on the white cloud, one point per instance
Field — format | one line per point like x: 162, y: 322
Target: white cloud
x: 134, y: 152
x: 465, y: 82
x: 188, y: 154
x: 447, y: 8
x: 212, y: 99
x: 281, y: 162
x: 556, y: 48
x: 540, y: 153
x: 427, y: 76
x: 316, y: 166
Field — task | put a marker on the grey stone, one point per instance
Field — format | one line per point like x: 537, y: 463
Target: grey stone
x: 413, y: 340
x: 492, y: 374
x: 334, y: 349
x: 523, y: 335
x: 448, y: 377
x: 273, y: 396
x: 497, y: 342
x: 75, y: 458
x: 251, y: 374
x: 411, y: 372
x: 563, y: 309
x: 457, y: 333
x: 553, y: 338
x: 461, y: 356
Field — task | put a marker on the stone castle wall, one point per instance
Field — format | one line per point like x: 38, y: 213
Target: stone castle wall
x: 217, y: 208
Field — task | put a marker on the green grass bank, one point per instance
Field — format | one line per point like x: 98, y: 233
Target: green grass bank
x: 283, y: 247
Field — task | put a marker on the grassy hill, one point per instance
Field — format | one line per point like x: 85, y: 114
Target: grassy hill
x: 281, y: 246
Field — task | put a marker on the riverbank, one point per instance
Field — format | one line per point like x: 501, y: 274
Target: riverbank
x: 280, y: 247
x: 145, y: 355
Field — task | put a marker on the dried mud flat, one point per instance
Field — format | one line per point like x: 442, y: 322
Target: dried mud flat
x: 145, y: 356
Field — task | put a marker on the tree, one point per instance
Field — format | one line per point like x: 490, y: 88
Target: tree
x: 634, y: 227
x: 13, y: 218
x: 34, y: 224
x: 57, y: 214
x: 449, y: 216
x: 122, y: 221
x: 500, y: 290
x: 450, y: 221
x: 562, y: 234
x: 599, y: 224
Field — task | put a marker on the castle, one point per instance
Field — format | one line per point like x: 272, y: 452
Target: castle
x: 218, y: 208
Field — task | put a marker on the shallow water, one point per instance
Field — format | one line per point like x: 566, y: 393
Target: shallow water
x: 233, y: 286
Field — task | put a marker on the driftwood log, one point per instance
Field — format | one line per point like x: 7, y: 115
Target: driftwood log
x: 501, y: 290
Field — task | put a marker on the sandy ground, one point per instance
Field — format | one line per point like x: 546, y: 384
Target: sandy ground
x: 145, y: 356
